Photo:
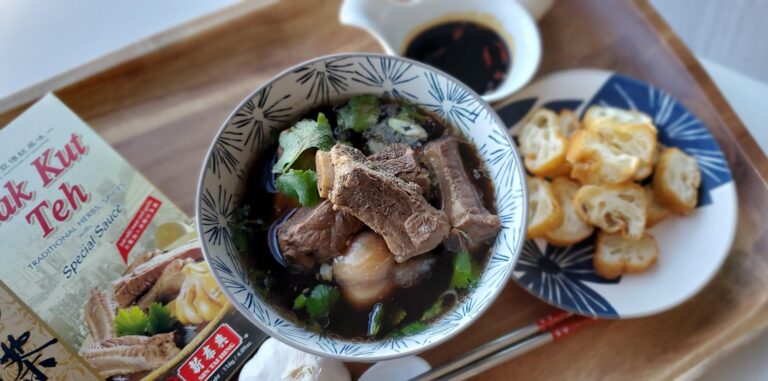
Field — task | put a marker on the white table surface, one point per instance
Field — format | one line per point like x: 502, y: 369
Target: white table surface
x: 42, y: 38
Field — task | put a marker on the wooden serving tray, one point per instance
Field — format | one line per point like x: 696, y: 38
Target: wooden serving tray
x: 161, y: 110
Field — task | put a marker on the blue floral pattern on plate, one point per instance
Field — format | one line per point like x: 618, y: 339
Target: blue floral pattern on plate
x: 275, y: 106
x: 677, y: 127
x: 565, y: 276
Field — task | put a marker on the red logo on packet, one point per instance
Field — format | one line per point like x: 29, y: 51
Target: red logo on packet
x: 137, y: 226
x: 208, y: 357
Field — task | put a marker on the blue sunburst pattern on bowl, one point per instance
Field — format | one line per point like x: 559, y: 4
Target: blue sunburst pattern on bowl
x: 564, y: 276
x: 275, y: 106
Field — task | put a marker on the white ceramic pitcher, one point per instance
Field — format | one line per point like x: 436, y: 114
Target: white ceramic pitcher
x: 393, y: 23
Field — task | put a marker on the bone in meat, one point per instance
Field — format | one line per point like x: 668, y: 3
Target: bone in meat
x: 461, y: 201
x: 316, y: 234
x: 391, y: 207
x: 100, y: 315
x: 167, y: 286
x: 400, y: 160
x: 130, y: 286
x: 131, y: 354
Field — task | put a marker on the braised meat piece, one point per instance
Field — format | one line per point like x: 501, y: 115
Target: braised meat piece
x: 315, y: 235
x: 131, y: 354
x: 391, y: 207
x: 135, y: 283
x: 167, y: 286
x: 400, y: 160
x: 460, y: 199
x: 304, y: 238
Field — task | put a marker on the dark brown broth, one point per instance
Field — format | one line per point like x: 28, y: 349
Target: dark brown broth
x: 344, y: 320
x: 469, y: 51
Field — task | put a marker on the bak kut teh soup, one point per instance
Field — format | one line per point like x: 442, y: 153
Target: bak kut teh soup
x: 369, y: 218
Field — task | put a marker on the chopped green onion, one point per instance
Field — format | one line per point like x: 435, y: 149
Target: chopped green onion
x: 465, y: 271
x: 398, y: 317
x: 300, y: 302
x: 360, y: 113
x: 413, y: 328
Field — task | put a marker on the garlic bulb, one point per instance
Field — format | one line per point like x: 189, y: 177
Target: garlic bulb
x: 279, y: 362
x: 200, y: 298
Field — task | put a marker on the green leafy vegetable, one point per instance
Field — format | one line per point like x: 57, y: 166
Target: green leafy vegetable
x: 413, y: 328
x: 465, y: 271
x: 130, y: 321
x: 134, y: 321
x: 302, y: 136
x: 300, y: 184
x: 319, y: 301
x: 300, y: 302
x: 160, y: 319
x: 359, y: 113
x: 374, y: 319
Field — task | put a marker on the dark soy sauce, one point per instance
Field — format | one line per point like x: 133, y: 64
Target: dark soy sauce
x: 471, y: 52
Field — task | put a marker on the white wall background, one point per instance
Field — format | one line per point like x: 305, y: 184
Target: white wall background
x: 732, y: 33
x: 43, y: 38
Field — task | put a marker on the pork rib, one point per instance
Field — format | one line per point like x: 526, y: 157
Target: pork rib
x: 400, y: 160
x: 316, y: 234
x: 131, y: 354
x: 167, y: 286
x: 100, y: 315
x: 132, y: 285
x: 391, y: 207
x: 461, y: 202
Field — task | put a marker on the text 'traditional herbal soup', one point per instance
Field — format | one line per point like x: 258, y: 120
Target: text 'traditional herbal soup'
x: 367, y: 219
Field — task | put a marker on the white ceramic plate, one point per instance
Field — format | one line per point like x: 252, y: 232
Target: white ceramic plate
x: 692, y: 247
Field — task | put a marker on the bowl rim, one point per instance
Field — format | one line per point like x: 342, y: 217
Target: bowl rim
x: 494, y: 294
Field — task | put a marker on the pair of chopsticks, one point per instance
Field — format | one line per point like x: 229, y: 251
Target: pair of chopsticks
x: 554, y: 326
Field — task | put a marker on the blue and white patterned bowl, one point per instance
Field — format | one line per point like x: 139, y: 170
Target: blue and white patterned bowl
x: 692, y: 247
x: 279, y: 103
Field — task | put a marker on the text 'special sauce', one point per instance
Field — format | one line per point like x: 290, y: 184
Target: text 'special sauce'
x: 475, y: 54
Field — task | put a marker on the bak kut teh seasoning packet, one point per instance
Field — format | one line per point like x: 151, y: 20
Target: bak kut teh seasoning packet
x: 101, y: 276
